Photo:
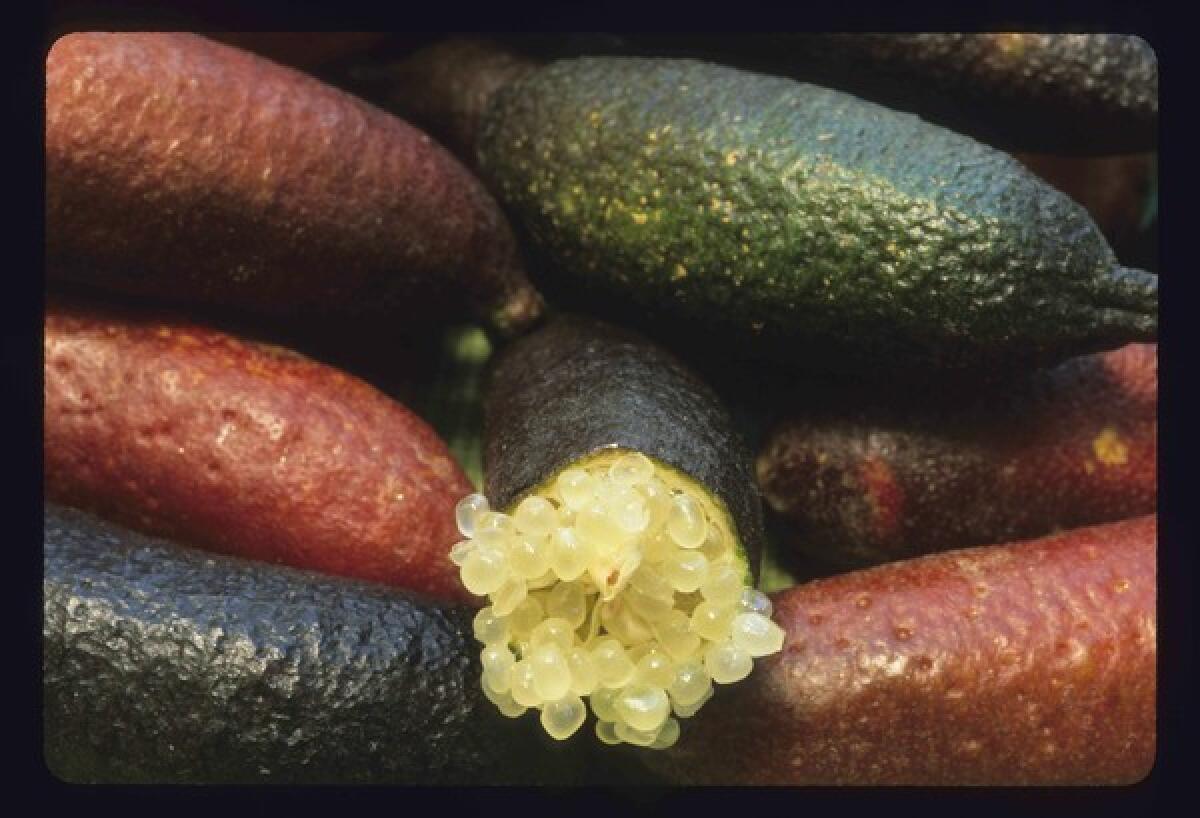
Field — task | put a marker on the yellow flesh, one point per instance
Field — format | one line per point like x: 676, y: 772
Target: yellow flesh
x: 594, y: 580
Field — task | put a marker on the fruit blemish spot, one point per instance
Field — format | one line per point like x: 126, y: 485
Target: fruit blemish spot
x: 1109, y: 448
x: 617, y: 586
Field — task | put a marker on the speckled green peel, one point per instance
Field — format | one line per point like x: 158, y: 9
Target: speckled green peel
x: 801, y: 223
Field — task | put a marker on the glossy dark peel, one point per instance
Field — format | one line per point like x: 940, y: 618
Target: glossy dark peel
x: 799, y: 224
x: 577, y: 386
x: 163, y: 664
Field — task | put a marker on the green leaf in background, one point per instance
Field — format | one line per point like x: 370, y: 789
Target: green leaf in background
x: 453, y: 404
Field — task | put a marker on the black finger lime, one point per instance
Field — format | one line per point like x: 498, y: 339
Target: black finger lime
x: 797, y: 223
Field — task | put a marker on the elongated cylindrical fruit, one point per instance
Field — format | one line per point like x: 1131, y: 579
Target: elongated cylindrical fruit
x: 163, y: 664
x: 1027, y: 663
x: 619, y: 538
x: 1065, y: 447
x: 798, y: 223
x: 179, y: 168
x: 184, y: 431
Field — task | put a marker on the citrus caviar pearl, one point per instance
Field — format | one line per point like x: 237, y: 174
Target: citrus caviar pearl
x: 642, y: 738
x: 655, y: 668
x: 726, y: 663
x: 526, y: 616
x: 612, y: 664
x: 553, y: 631
x: 643, y: 706
x: 658, y: 505
x: 685, y: 522
x: 686, y: 711
x: 490, y: 628
x: 504, y: 702
x: 584, y: 675
x: 466, y: 513
x: 529, y: 557
x: 631, y: 468
x: 535, y: 517
x: 594, y: 526
x: 686, y: 570
x: 567, y: 602
x: 658, y: 548
x: 576, y: 487
x: 606, y: 732
x: 647, y: 607
x: 625, y: 507
x: 724, y: 584
x: 757, y: 635
x: 674, y: 633
x: 485, y: 570
x: 604, y: 704
x: 508, y: 597
x: 569, y: 555
x: 668, y: 734
x: 523, y: 690
x: 712, y: 621
x: 691, y: 684
x: 563, y: 717
x: 460, y: 551
x: 493, y: 529
x: 653, y: 583
x: 754, y: 601
x: 551, y: 677
x: 620, y: 620
x: 497, y: 661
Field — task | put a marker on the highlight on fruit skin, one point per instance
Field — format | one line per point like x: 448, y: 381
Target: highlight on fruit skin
x: 617, y: 583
